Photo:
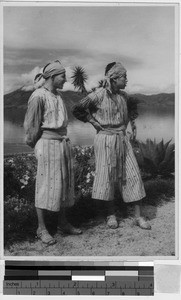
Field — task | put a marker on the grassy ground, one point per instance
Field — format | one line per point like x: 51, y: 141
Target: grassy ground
x: 97, y: 239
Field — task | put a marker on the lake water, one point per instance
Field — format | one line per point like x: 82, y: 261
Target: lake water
x: 153, y: 124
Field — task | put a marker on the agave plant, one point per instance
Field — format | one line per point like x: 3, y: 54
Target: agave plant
x: 157, y: 158
x: 79, y: 79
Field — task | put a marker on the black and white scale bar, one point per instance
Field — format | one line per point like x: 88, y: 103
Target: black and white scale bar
x: 78, y: 291
x: 64, y: 283
x: 10, y: 272
x: 59, y: 278
x: 70, y: 287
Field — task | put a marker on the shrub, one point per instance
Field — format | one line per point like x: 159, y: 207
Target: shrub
x: 156, y: 158
x: 19, y: 186
x: 20, y: 173
x: 19, y: 219
x: 84, y: 170
x: 19, y: 176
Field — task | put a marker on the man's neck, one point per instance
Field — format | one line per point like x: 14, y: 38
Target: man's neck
x: 49, y: 86
x: 115, y: 90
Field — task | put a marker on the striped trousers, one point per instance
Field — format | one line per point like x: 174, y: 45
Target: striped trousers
x: 104, y: 183
x: 55, y: 176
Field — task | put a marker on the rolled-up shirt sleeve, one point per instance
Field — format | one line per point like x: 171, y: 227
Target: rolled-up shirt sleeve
x: 33, y: 120
x: 84, y: 109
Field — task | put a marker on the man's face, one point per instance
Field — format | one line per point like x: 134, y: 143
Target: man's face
x: 121, y: 81
x: 59, y: 80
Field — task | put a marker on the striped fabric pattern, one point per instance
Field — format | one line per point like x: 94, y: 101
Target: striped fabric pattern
x: 55, y: 178
x: 104, y: 186
x: 106, y: 108
x: 112, y: 111
x: 55, y: 114
x: 45, y: 111
x: 134, y: 189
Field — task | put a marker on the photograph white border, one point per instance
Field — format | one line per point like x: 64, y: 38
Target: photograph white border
x: 177, y: 93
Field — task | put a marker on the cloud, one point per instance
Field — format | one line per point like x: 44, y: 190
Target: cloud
x: 27, y: 79
x: 29, y: 85
x: 20, y: 61
x: 93, y: 82
x: 142, y: 38
x: 141, y: 77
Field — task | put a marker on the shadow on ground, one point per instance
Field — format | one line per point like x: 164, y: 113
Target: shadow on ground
x: 98, y: 240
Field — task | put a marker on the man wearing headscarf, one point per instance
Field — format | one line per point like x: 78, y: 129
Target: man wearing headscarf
x: 110, y: 110
x: 46, y: 131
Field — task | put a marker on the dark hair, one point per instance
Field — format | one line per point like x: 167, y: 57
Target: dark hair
x: 109, y: 66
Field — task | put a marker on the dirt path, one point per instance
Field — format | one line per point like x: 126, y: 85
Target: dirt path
x: 98, y: 240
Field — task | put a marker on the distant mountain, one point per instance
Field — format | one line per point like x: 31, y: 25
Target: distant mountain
x: 163, y: 99
x: 15, y: 103
x: 19, y: 98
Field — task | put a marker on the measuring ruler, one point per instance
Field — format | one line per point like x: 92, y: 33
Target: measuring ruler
x: 79, y: 278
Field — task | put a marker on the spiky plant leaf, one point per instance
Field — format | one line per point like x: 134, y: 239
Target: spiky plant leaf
x: 161, y: 152
x: 167, y: 144
x: 149, y: 151
x: 79, y: 79
x: 150, y: 167
x: 170, y: 151
x: 158, y: 158
x: 168, y: 163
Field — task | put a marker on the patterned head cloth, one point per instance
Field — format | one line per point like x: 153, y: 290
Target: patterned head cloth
x: 52, y: 68
x: 117, y: 70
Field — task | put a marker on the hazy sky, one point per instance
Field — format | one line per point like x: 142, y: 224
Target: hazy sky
x: 141, y: 37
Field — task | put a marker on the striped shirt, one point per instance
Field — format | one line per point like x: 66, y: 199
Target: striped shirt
x: 114, y: 157
x: 106, y: 108
x: 45, y: 111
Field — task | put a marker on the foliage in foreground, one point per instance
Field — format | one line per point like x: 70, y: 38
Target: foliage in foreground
x: 19, y: 189
x: 156, y: 158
